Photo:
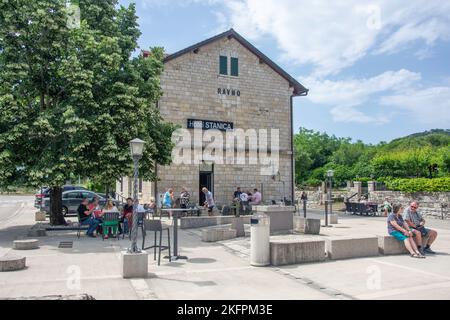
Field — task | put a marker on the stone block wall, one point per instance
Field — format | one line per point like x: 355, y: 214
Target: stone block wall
x: 430, y: 202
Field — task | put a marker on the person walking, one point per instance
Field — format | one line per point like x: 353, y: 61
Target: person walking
x: 209, y: 203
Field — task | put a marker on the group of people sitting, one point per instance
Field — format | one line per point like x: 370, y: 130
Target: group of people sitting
x: 91, y: 214
x: 408, y: 225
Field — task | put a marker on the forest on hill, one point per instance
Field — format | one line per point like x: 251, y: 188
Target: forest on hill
x: 420, y: 160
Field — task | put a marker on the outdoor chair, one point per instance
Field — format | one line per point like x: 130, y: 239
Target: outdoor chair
x: 110, y: 223
x: 80, y: 228
x: 155, y: 225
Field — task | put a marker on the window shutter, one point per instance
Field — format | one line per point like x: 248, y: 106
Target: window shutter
x: 223, y: 65
x: 234, y: 67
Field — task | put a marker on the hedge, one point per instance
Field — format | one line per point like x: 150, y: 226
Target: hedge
x: 419, y: 184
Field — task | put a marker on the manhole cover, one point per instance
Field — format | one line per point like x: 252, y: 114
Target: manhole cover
x: 66, y: 244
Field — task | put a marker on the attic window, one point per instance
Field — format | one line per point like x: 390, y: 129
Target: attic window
x: 196, y: 50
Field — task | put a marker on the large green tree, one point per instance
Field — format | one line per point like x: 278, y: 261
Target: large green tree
x: 72, y: 95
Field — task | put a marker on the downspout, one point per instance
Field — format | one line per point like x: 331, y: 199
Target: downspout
x: 292, y: 151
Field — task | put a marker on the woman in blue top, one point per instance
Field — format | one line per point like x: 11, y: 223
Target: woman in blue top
x: 399, y: 229
x: 168, y: 200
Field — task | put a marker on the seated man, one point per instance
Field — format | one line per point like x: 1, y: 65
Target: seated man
x: 416, y: 222
x: 256, y: 198
x: 85, y: 217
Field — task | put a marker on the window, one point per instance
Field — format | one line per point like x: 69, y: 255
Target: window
x: 234, y: 67
x: 140, y: 185
x: 223, y: 61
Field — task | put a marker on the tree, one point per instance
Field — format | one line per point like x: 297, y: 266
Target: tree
x: 72, y: 98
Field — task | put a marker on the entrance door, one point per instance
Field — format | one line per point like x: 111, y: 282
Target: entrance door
x: 206, y: 181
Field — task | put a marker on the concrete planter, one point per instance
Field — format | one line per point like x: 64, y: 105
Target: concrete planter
x: 281, y: 217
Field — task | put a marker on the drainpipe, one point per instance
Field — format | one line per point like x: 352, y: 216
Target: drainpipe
x: 292, y: 150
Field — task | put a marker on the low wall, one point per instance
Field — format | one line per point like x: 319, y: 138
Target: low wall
x: 201, y: 222
x: 430, y: 202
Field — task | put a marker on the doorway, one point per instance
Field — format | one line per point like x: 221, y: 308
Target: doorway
x: 205, y: 181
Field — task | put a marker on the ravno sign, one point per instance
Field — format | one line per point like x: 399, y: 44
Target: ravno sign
x: 229, y: 92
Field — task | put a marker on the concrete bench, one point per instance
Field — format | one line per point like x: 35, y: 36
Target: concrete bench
x: 201, y: 222
x: 29, y: 244
x: 285, y: 252
x: 281, y: 217
x: 351, y: 247
x: 333, y: 218
x: 389, y: 245
x: 218, y: 234
x: 307, y: 226
x: 12, y: 262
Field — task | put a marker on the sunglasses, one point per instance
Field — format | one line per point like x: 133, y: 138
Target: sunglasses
x: 413, y: 207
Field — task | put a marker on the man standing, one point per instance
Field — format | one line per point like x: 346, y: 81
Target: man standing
x: 415, y: 220
x: 209, y: 203
x: 85, y: 217
x: 237, y: 194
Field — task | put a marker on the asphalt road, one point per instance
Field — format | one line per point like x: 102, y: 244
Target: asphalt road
x: 10, y: 206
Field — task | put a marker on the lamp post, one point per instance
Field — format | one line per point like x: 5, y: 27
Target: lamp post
x: 137, y: 148
x: 330, y: 174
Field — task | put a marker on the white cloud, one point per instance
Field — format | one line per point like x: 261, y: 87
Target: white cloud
x: 428, y: 106
x: 346, y: 97
x: 333, y: 35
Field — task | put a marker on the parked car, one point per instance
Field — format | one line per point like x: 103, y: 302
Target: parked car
x: 45, y: 193
x: 72, y: 199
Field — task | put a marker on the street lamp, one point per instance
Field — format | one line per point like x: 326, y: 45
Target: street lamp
x: 137, y: 148
x: 330, y: 174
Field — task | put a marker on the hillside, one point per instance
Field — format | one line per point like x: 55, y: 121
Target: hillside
x: 432, y: 138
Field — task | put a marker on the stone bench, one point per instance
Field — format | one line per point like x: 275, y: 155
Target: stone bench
x: 12, y: 262
x: 218, y: 234
x: 285, y: 252
x: 29, y: 244
x: 333, y: 218
x: 201, y: 222
x: 307, y: 226
x: 281, y: 217
x: 351, y: 247
x: 389, y: 245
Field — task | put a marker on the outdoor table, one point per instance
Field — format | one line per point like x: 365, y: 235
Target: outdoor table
x: 175, y: 215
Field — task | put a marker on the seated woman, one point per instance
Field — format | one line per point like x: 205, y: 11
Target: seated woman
x: 109, y: 207
x: 85, y: 217
x: 126, y: 216
x: 400, y: 230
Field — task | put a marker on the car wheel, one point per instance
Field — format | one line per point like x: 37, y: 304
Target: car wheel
x: 65, y: 211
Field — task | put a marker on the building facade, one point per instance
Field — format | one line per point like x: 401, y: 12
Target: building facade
x: 226, y: 84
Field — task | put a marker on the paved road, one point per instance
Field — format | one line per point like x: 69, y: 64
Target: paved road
x: 11, y: 206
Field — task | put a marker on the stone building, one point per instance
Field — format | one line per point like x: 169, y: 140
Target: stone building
x: 226, y: 83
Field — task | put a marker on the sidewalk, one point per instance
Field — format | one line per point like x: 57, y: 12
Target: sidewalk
x: 220, y: 270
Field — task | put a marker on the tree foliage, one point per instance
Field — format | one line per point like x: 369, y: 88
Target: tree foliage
x: 422, y: 155
x: 71, y: 98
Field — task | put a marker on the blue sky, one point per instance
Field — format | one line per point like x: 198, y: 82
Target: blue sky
x: 376, y: 70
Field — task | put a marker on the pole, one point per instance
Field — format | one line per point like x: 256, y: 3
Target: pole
x: 330, y: 195
x: 134, y: 230
x: 304, y: 208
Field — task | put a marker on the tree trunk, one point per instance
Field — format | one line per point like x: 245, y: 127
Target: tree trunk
x: 56, y: 215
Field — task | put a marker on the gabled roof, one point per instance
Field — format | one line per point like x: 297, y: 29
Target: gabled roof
x: 299, y: 89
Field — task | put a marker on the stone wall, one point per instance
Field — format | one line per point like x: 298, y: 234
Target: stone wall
x: 430, y: 202
x: 190, y: 84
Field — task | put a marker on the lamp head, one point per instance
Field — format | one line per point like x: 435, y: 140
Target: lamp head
x: 137, y: 147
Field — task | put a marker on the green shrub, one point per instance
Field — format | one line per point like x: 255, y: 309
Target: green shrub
x: 418, y: 184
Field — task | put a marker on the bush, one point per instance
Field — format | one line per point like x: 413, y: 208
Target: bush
x: 419, y: 184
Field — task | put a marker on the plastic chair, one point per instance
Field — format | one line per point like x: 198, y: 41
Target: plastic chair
x: 155, y: 225
x: 110, y: 221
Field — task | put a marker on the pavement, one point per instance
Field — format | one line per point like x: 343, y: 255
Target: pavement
x: 216, y: 270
